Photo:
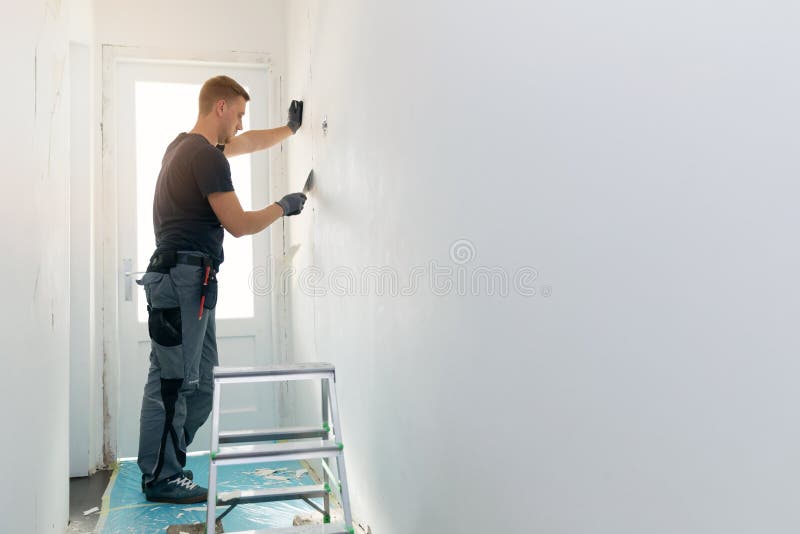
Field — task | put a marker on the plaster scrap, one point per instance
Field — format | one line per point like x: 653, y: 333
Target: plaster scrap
x: 271, y: 474
x: 191, y: 528
x: 230, y: 495
x: 306, y: 519
x: 277, y: 478
x: 195, y: 509
x: 316, y: 519
x: 264, y: 472
x: 91, y: 510
x: 300, y: 472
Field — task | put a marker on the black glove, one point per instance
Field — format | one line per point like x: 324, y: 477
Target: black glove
x: 292, y: 204
x: 295, y: 115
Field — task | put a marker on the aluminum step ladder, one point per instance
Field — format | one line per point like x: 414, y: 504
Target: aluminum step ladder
x: 326, y: 445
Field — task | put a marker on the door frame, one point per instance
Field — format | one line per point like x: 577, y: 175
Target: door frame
x: 111, y: 271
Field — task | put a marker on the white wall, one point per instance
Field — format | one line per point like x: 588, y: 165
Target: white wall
x: 193, y: 26
x: 35, y: 316
x: 642, y: 157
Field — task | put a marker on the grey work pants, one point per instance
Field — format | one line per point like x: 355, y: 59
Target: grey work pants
x: 178, y: 394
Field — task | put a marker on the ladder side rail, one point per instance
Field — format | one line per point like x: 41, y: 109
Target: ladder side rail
x: 326, y: 425
x: 337, y: 426
x: 211, y: 498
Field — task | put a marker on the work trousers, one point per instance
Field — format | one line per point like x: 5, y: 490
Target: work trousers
x: 178, y: 394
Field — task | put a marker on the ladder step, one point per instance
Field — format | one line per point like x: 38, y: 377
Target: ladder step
x: 274, y: 452
x: 288, y: 493
x: 330, y: 528
x: 292, y: 371
x: 247, y: 436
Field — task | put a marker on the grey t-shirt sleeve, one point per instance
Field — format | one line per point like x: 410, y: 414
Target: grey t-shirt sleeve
x: 211, y: 171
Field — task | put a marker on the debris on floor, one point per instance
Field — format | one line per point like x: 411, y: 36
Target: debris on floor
x: 194, y: 528
x: 271, y: 474
x: 126, y: 510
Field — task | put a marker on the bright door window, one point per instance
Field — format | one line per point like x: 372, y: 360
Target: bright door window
x: 162, y: 111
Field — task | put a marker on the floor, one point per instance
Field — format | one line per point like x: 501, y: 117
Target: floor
x: 127, y: 511
x: 86, y: 493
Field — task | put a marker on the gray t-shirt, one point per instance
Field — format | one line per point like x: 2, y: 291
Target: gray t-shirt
x: 191, y: 169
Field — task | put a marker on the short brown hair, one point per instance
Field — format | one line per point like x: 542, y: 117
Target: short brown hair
x: 219, y: 88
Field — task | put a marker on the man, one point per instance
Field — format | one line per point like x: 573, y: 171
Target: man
x: 194, y: 200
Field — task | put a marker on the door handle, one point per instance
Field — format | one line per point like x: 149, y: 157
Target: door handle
x: 127, y: 265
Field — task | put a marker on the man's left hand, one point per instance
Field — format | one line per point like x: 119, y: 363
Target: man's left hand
x: 295, y: 115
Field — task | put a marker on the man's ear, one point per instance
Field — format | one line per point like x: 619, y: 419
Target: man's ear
x: 219, y: 106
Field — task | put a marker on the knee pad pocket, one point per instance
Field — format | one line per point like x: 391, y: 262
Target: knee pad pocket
x: 165, y: 326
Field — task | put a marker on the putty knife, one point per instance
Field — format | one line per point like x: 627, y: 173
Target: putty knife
x: 309, y: 186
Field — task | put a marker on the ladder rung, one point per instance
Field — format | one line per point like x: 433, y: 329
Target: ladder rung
x: 294, y: 371
x: 288, y: 493
x: 246, y: 436
x: 330, y: 528
x: 273, y: 452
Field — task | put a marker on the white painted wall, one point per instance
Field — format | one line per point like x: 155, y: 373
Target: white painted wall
x: 35, y: 316
x: 642, y: 157
x: 193, y: 26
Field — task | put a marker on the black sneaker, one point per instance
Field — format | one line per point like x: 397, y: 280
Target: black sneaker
x: 178, y: 490
x: 186, y: 472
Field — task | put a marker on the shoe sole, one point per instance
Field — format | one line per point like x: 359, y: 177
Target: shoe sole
x: 188, y: 500
x: 190, y: 477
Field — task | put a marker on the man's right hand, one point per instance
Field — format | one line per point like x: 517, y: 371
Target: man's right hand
x: 292, y: 204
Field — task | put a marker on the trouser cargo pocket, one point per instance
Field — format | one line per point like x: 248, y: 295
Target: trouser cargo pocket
x: 164, y: 325
x: 167, y: 341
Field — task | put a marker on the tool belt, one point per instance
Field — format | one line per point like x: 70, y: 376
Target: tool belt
x: 163, y: 261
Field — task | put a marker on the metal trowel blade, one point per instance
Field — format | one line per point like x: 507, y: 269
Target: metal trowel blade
x: 309, y: 182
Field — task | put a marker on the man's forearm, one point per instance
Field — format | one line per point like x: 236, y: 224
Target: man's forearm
x: 255, y: 140
x: 263, y: 139
x: 255, y: 221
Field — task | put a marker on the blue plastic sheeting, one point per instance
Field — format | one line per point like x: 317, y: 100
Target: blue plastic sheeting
x: 125, y: 509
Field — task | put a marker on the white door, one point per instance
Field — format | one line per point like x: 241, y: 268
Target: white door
x: 154, y: 102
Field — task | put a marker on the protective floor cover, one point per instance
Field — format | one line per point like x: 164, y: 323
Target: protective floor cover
x: 125, y: 509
